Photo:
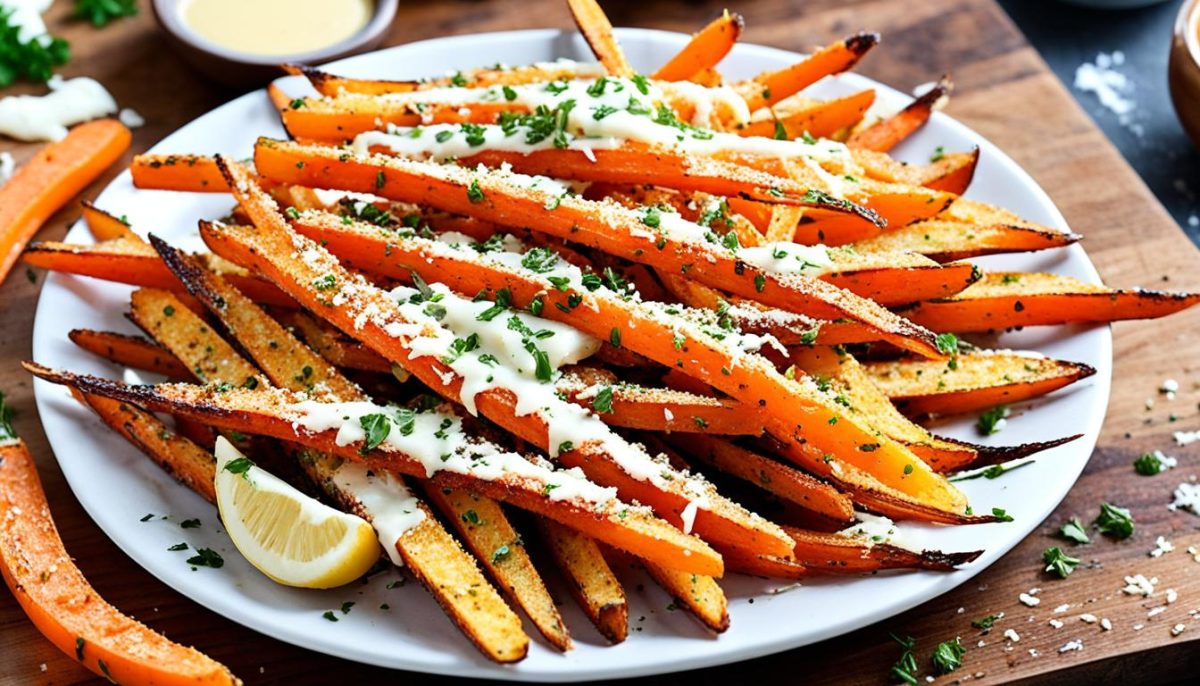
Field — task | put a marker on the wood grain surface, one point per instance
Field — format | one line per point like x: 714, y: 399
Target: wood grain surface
x: 1006, y: 93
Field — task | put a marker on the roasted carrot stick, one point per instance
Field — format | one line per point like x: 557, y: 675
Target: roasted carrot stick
x: 349, y: 115
x: 857, y: 553
x: 130, y: 351
x: 195, y: 173
x: 774, y: 477
x: 135, y: 263
x: 1003, y: 300
x: 589, y: 578
x: 977, y: 381
x: 820, y: 119
x: 52, y: 177
x: 769, y: 88
x: 598, y: 32
x: 61, y: 603
x: 105, y: 226
x: 944, y: 241
x: 704, y: 50
x: 888, y: 133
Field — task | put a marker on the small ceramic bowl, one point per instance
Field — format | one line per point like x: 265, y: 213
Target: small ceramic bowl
x: 234, y: 68
x: 1183, y: 71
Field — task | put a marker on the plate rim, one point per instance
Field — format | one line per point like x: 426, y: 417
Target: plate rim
x: 471, y: 666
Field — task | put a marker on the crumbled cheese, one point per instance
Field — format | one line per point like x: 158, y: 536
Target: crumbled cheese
x: 1033, y: 652
x: 1155, y: 611
x: 1012, y: 635
x: 1161, y: 546
x: 1169, y: 388
x: 1112, y: 88
x: 1056, y: 623
x: 129, y: 117
x: 1062, y: 608
x: 1139, y: 627
x: 1177, y: 629
x: 1075, y: 645
x: 1087, y: 617
x: 1139, y: 585
x: 1106, y: 624
x: 1187, y: 496
x: 1149, y: 403
x: 1029, y: 600
x: 46, y: 117
x: 1172, y: 596
x: 1186, y: 437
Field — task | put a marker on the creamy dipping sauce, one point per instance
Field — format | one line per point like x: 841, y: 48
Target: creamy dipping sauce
x: 276, y: 27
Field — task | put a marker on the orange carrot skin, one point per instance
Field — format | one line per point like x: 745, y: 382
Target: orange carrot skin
x: 887, y: 134
x: 899, y: 286
x: 66, y: 609
x: 55, y: 175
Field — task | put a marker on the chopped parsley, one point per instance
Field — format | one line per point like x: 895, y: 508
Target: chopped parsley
x: 938, y: 153
x: 989, y: 421
x: 1148, y: 464
x: 6, y: 428
x: 239, y: 465
x: 1001, y: 514
x: 1073, y: 530
x: 985, y: 622
x: 377, y: 427
x: 206, y: 557
x: 947, y: 656
x: 190, y: 524
x: 1114, y: 521
x: 603, y: 400
x: 501, y: 553
x: 1058, y: 562
x: 906, y: 669
x: 994, y: 472
x: 947, y: 343
x: 33, y: 60
x: 474, y: 193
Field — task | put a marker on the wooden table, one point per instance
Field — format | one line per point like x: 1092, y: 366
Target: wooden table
x: 1006, y: 93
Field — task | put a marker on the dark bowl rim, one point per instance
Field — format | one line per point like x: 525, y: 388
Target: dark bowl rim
x: 168, y: 19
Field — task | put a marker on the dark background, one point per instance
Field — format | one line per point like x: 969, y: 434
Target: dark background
x: 1067, y: 35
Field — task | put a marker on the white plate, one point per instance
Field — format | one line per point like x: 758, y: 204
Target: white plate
x: 117, y: 485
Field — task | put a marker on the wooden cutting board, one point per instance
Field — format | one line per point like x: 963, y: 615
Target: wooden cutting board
x: 1005, y: 92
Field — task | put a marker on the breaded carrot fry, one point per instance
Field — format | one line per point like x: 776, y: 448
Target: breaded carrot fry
x: 1003, y: 300
x: 195, y: 173
x: 888, y: 133
x: 701, y: 595
x: 598, y: 32
x: 590, y: 579
x: 944, y: 241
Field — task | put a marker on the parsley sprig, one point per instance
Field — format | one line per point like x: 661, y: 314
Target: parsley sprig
x: 33, y: 60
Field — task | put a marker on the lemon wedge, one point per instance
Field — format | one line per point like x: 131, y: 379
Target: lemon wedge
x: 295, y: 540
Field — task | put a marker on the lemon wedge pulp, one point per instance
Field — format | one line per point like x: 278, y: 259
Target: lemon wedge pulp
x: 285, y: 534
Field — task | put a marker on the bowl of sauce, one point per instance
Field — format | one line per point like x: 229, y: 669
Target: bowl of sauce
x: 242, y: 42
x: 1183, y: 70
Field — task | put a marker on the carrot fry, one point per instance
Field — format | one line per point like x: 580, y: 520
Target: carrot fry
x: 331, y: 344
x: 135, y: 263
x: 705, y: 50
x: 589, y: 578
x: 598, y: 32
x: 1002, y: 300
x: 907, y: 278
x: 55, y: 174
x: 774, y: 477
x: 888, y: 133
x: 700, y: 595
x: 944, y: 241
x: 104, y: 226
x: 950, y: 171
x: 659, y: 409
x: 767, y: 89
x: 583, y: 221
x: 278, y: 98
x: 130, y: 351
x: 65, y: 608
x: 840, y: 553
x: 978, y: 381
x: 821, y: 119
x: 194, y: 173
x: 482, y: 524
x: 346, y: 116
x: 331, y: 85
